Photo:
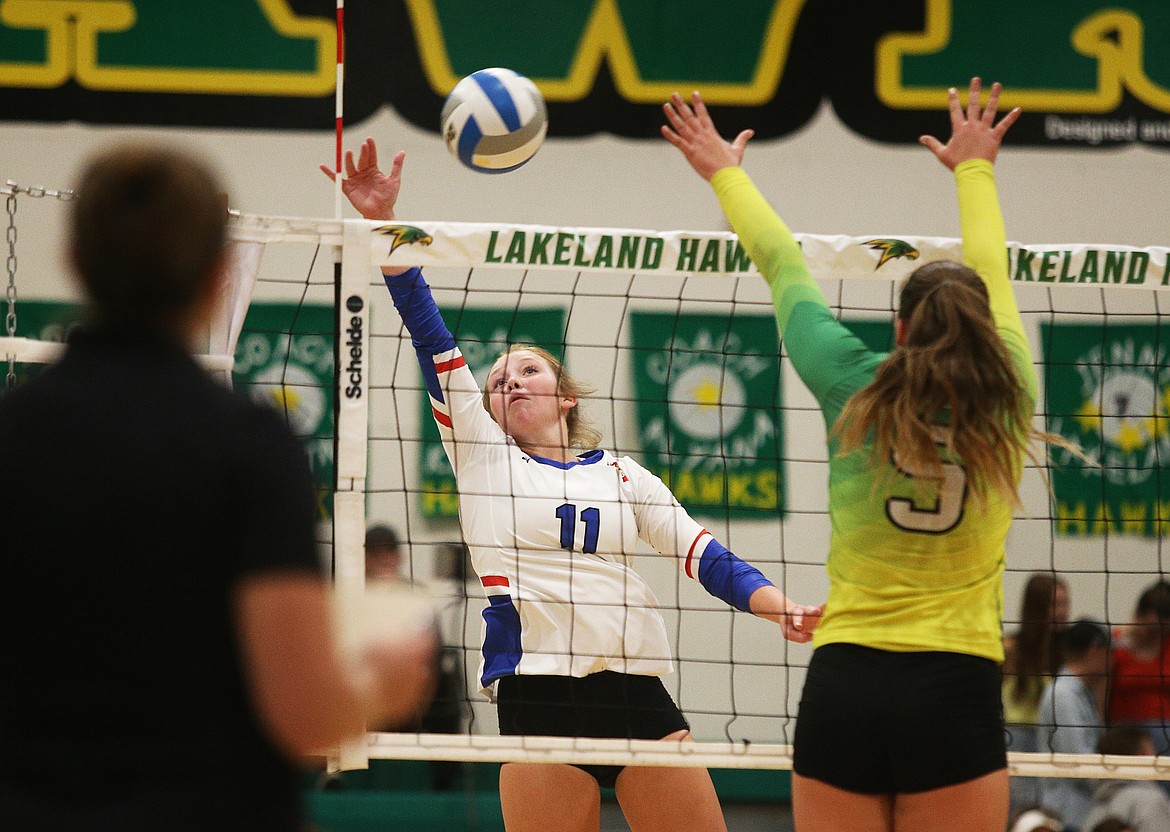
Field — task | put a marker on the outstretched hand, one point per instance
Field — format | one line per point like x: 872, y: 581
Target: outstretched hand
x: 800, y: 620
x: 370, y: 191
x: 797, y: 621
x: 974, y: 133
x: 692, y: 132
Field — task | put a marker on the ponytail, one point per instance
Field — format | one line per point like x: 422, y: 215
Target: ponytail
x: 953, y: 377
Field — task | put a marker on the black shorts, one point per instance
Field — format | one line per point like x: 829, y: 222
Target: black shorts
x: 879, y: 722
x: 604, y: 705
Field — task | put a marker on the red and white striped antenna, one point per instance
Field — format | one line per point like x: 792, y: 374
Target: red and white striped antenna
x: 338, y: 107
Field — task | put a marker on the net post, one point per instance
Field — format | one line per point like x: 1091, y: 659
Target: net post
x: 351, y: 366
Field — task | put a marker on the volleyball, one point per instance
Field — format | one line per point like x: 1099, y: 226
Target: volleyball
x: 494, y: 120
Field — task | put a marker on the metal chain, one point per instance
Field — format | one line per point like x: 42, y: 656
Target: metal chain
x: 10, y: 318
x: 36, y: 191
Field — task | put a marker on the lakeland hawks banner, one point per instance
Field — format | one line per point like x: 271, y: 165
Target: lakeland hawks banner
x: 708, y: 390
x: 1108, y: 390
x: 607, y: 250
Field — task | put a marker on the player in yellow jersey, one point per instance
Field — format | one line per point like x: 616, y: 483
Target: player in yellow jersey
x: 900, y: 724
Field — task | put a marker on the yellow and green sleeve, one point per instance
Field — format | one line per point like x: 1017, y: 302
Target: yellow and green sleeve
x: 829, y: 358
x: 768, y: 242
x: 985, y: 250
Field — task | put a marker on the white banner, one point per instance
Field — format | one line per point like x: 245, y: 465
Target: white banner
x: 478, y: 245
x: 718, y: 254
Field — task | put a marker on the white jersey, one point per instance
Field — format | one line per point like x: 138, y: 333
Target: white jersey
x: 551, y: 543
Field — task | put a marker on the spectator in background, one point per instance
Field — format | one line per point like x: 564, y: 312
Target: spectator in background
x: 453, y: 563
x: 384, y: 560
x: 446, y: 715
x: 1032, y: 656
x: 1140, y: 684
x: 384, y: 555
x: 1070, y: 718
x: 1140, y: 804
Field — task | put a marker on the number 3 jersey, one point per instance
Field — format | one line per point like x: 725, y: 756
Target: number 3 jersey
x: 551, y: 541
x: 909, y: 570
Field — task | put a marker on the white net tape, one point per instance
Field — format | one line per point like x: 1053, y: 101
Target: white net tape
x: 478, y: 748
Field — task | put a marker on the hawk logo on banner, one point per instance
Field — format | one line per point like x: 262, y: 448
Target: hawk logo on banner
x: 891, y: 250
x: 1108, y: 391
x: 707, y: 409
x: 405, y: 235
x: 482, y: 334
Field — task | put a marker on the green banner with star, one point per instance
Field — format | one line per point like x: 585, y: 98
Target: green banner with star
x: 708, y: 394
x: 1107, y: 389
x: 482, y: 335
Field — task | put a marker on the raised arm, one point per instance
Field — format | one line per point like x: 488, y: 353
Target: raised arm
x: 970, y: 153
x: 373, y: 193
x: 823, y: 352
x: 455, y: 396
x: 761, y: 231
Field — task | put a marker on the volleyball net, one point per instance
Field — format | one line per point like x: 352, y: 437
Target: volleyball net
x: 675, y: 333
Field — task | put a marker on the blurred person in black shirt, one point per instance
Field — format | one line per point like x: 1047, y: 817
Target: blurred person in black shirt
x: 164, y: 621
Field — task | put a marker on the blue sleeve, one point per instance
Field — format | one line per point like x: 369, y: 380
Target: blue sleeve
x: 412, y: 298
x: 728, y: 578
x: 429, y: 335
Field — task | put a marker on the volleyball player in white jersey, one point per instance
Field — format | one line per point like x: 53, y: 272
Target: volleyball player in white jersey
x: 574, y: 644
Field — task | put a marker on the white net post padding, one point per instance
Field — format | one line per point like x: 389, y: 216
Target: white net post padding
x: 235, y: 296
x: 224, y: 328
x: 31, y: 351
x: 349, y: 501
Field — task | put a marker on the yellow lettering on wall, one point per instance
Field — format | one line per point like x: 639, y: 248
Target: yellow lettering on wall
x: 1133, y: 518
x: 1071, y: 519
x: 605, y: 39
x: 1114, y: 37
x: 72, y: 28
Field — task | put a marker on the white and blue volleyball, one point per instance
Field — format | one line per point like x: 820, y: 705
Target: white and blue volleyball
x: 494, y: 120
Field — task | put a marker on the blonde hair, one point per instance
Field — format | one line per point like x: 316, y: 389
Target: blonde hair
x: 952, y: 363
x: 582, y: 434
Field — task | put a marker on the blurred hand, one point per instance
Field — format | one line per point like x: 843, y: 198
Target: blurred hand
x: 404, y: 670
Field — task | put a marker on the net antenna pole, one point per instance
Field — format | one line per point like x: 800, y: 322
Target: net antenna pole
x: 349, y: 410
x: 339, y: 110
